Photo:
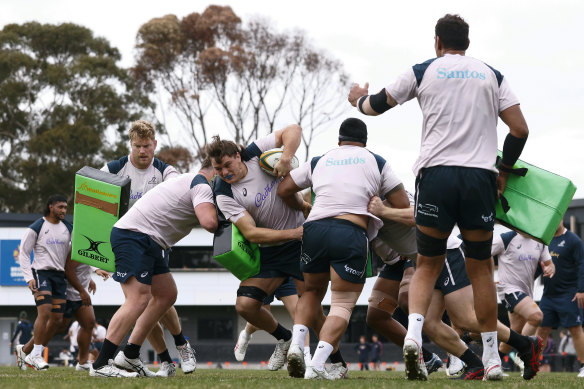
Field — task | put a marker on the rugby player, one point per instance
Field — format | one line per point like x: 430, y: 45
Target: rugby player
x: 461, y: 99
x: 146, y: 172
x: 50, y: 238
x: 335, y: 242
x: 518, y: 260
x: 563, y: 295
x: 246, y: 196
x: 164, y: 215
x: 79, y: 286
x: 453, y: 294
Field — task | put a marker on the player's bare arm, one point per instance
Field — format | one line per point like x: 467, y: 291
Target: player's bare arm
x: 384, y: 210
x: 514, y: 142
x: 371, y: 105
x: 256, y: 234
x: 289, y: 138
x: 71, y: 275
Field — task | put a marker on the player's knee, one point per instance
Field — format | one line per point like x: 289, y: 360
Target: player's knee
x: 140, y: 301
x: 342, y: 304
x: 535, y: 318
x: 402, y: 302
x: 249, y: 298
x: 478, y: 250
x: 429, y: 246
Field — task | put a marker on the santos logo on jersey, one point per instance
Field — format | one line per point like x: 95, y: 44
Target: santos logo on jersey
x: 462, y: 74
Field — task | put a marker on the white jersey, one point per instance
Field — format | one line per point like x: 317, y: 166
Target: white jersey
x: 142, y: 179
x: 256, y: 193
x: 396, y: 239
x: 344, y: 180
x: 518, y: 260
x: 73, y: 332
x: 51, y: 244
x: 461, y: 98
x: 84, y: 275
x: 166, y: 213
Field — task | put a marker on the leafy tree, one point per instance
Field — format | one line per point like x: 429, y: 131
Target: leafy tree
x: 212, y: 67
x: 64, y: 103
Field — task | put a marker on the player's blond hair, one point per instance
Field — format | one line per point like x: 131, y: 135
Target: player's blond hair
x: 141, y: 129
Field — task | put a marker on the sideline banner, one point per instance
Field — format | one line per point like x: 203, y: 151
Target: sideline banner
x: 101, y: 198
x: 10, y: 272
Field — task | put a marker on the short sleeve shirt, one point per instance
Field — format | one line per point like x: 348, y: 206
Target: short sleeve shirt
x: 461, y: 98
x: 344, y: 180
x: 142, y: 179
x: 167, y: 212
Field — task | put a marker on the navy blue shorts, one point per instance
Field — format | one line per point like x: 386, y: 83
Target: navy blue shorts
x: 71, y: 307
x: 510, y: 300
x: 560, y: 311
x: 337, y: 243
x: 288, y: 288
x: 395, y: 272
x: 136, y: 255
x: 53, y: 281
x: 280, y: 261
x: 453, y: 276
x: 446, y: 195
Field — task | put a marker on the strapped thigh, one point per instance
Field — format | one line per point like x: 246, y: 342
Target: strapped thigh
x: 383, y: 301
x: 42, y: 299
x: 342, y: 304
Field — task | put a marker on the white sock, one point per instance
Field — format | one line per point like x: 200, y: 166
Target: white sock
x: 415, y: 324
x: 299, y: 332
x: 37, y: 350
x: 247, y: 334
x: 307, y: 356
x: 490, y: 350
x: 321, y: 354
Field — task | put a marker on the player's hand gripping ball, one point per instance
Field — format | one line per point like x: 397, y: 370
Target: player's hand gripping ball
x: 270, y: 158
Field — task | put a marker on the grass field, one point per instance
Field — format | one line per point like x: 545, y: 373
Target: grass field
x: 63, y: 378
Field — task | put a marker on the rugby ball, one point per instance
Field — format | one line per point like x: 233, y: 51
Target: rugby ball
x: 270, y: 158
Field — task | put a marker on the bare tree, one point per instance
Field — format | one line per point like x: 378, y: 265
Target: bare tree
x: 318, y: 94
x: 252, y: 76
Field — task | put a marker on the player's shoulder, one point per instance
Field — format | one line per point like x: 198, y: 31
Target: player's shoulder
x: 37, y: 225
x: 199, y: 179
x: 379, y: 160
x: 223, y: 188
x: 117, y: 165
x: 160, y: 165
x: 68, y: 225
x: 419, y: 69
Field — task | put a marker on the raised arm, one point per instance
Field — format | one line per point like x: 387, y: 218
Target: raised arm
x: 371, y: 105
x: 289, y: 138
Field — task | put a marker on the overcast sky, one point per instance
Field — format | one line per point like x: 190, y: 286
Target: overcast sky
x: 537, y: 45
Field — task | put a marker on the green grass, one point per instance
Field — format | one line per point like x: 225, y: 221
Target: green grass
x: 62, y: 378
